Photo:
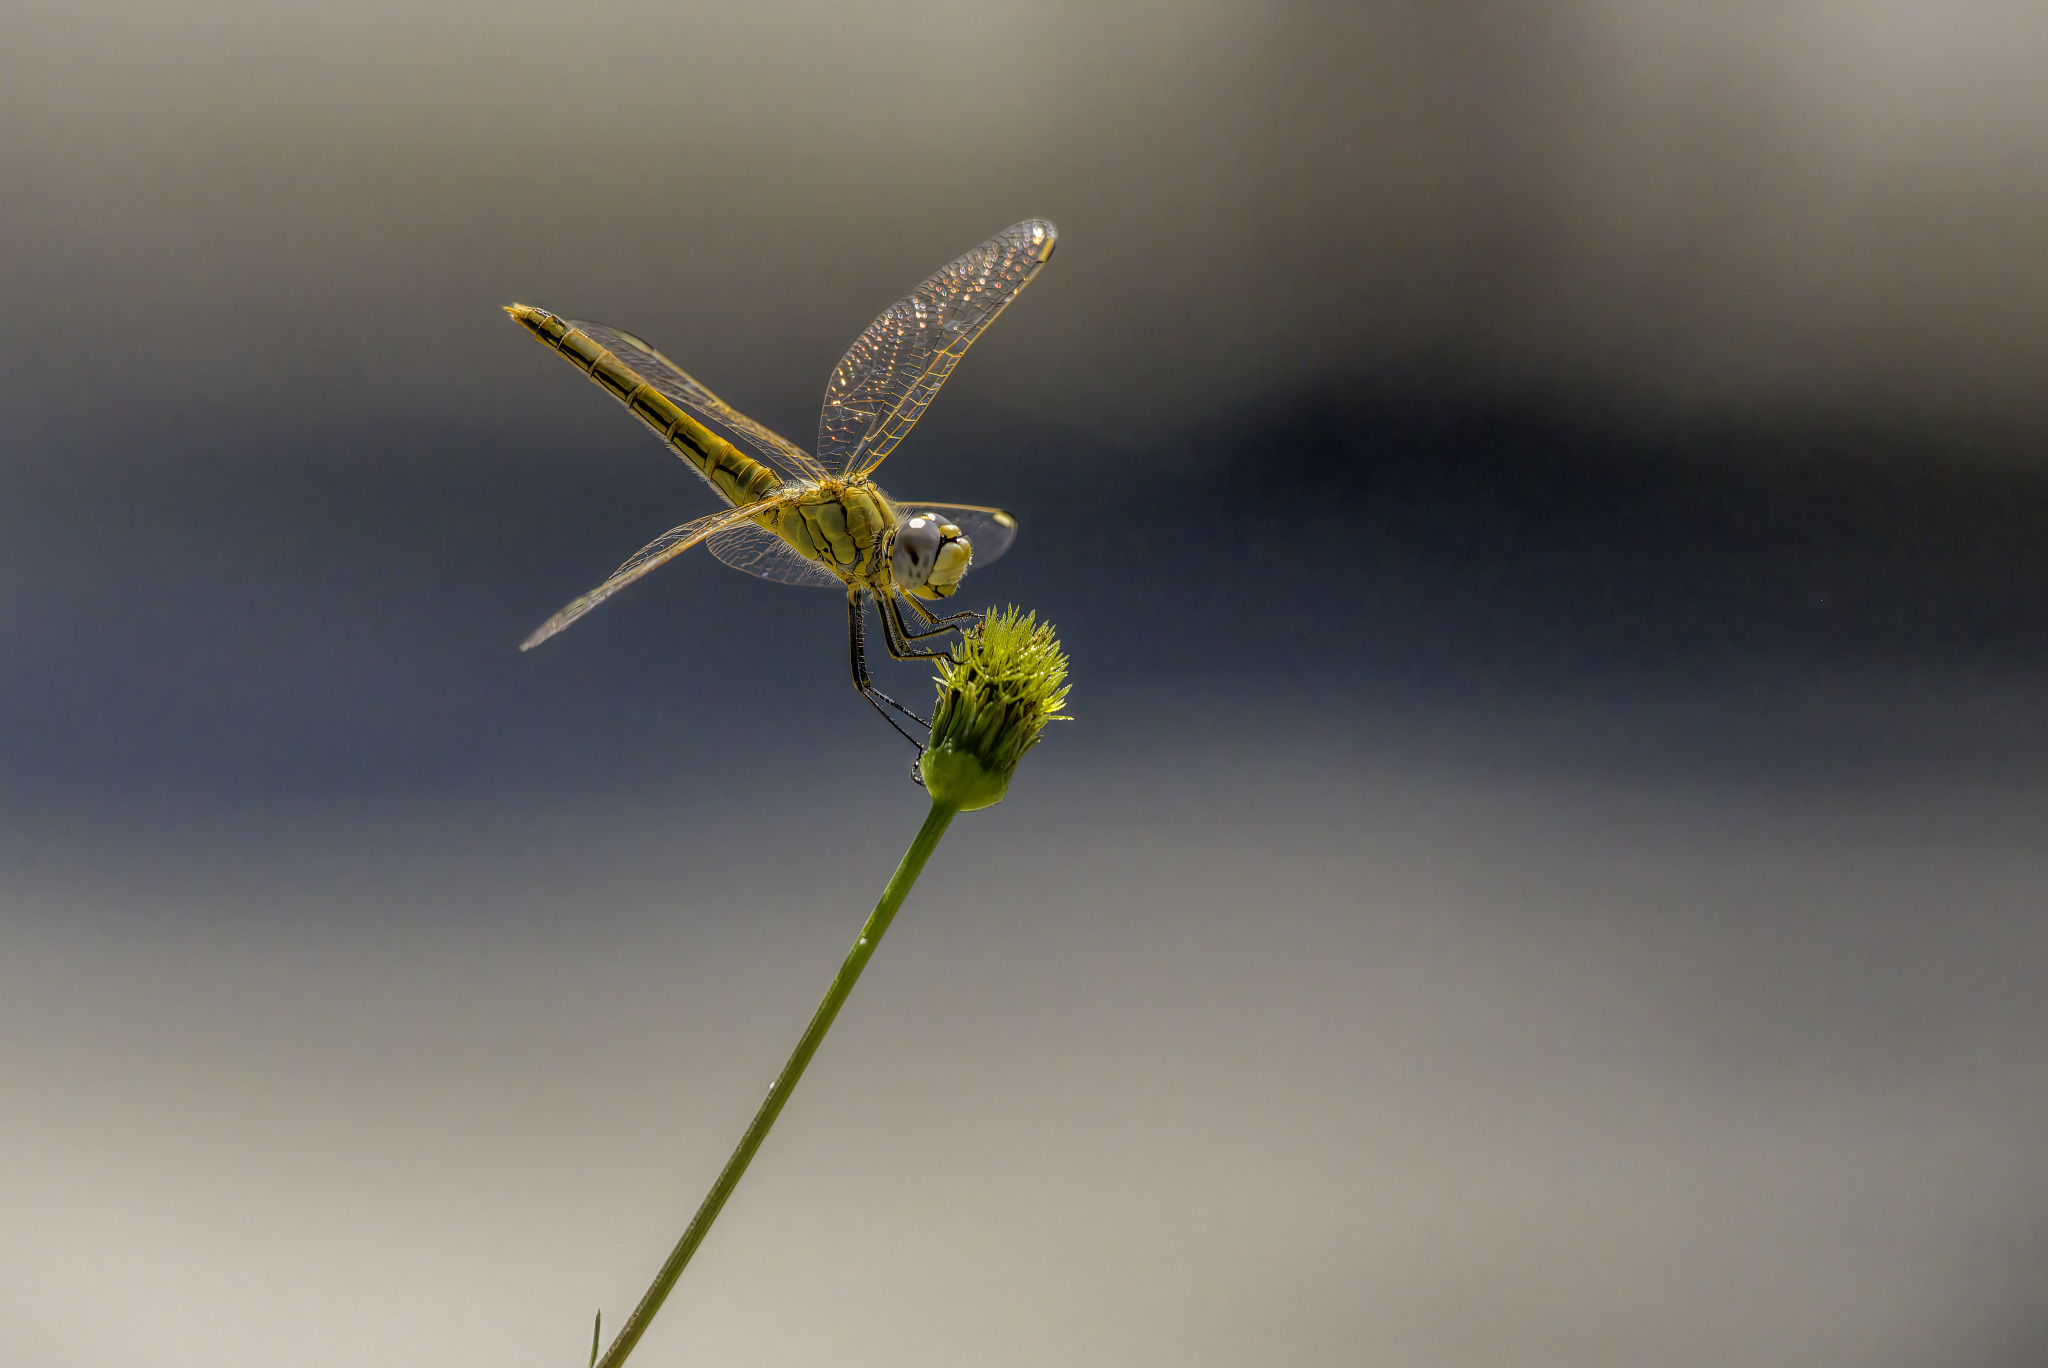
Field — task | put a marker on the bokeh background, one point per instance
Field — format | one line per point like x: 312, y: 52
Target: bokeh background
x: 1549, y: 509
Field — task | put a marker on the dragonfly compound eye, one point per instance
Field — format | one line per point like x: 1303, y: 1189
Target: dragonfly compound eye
x: 916, y: 551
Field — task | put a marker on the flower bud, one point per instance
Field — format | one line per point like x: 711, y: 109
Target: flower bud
x: 1003, y: 682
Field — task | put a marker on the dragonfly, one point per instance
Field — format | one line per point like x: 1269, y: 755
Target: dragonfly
x: 799, y: 517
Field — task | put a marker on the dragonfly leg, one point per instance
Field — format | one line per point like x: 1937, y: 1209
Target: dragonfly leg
x: 898, y: 637
x: 950, y: 622
x: 856, y: 633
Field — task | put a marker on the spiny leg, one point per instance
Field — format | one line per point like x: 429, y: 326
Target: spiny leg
x: 950, y: 622
x: 898, y: 637
x: 856, y: 634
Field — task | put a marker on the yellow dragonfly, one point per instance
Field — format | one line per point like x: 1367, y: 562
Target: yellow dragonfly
x: 799, y: 518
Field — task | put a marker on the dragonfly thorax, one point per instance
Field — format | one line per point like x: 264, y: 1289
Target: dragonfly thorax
x: 843, y: 527
x: 930, y: 557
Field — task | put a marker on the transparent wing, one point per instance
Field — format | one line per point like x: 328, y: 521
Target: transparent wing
x: 782, y: 455
x: 661, y: 550
x: 989, y: 530
x: 753, y: 548
x: 888, y: 376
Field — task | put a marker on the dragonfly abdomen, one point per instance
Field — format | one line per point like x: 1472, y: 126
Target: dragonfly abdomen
x: 736, y: 475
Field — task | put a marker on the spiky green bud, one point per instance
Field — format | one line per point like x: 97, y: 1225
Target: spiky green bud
x: 1002, y: 684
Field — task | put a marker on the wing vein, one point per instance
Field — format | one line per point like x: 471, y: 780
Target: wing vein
x: 894, y: 369
x: 658, y: 552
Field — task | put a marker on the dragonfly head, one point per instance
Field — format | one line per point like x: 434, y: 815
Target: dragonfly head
x: 930, y: 556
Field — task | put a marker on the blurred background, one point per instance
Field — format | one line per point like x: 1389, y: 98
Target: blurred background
x: 1549, y: 510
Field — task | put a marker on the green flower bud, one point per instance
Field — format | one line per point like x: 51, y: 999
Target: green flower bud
x: 1002, y: 684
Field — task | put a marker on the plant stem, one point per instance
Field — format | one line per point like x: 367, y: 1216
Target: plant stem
x: 912, y: 865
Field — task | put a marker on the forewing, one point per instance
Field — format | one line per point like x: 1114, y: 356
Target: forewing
x: 753, y: 548
x: 989, y: 530
x: 888, y: 376
x: 781, y: 454
x: 660, y: 551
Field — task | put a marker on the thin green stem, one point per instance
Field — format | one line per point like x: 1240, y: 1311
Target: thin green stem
x: 912, y: 865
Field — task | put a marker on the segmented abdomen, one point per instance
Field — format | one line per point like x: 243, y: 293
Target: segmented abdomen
x: 733, y: 473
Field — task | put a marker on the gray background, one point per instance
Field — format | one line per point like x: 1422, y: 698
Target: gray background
x: 1548, y: 509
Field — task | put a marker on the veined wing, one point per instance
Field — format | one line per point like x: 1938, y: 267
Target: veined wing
x: 989, y: 530
x: 661, y: 550
x: 782, y: 455
x: 753, y: 548
x: 889, y: 375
